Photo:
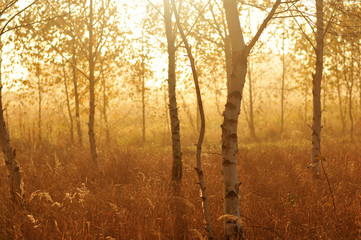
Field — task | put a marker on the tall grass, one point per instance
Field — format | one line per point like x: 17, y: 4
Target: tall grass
x: 130, y: 197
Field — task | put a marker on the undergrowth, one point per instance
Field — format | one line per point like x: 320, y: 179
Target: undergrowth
x: 129, y: 196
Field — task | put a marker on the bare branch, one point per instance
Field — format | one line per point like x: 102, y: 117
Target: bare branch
x: 67, y: 60
x: 303, y: 32
x: 33, y: 23
x: 308, y: 20
x: 156, y: 8
x: 16, y: 14
x: 263, y: 25
x: 9, y: 5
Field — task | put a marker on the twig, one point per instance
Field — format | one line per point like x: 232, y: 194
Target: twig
x: 328, y: 182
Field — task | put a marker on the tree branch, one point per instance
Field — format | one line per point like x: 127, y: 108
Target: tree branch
x: 156, y: 8
x: 16, y: 14
x: 263, y: 26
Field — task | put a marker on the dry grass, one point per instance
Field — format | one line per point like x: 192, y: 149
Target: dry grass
x: 129, y: 196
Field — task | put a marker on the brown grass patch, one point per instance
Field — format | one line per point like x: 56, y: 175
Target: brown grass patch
x: 129, y: 196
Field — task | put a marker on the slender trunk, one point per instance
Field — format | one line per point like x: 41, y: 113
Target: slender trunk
x: 342, y: 116
x: 166, y: 113
x: 76, y: 98
x: 143, y: 96
x: 250, y: 87
x: 283, y: 80
x: 350, y: 114
x: 350, y: 94
x: 75, y: 83
x: 68, y: 106
x: 173, y: 109
x: 39, y: 102
x: 198, y: 120
x: 251, y: 113
x: 91, y: 89
x: 306, y: 100
x: 233, y: 228
x: 105, y: 104
x: 202, y: 128
x: 349, y: 84
x: 317, y: 78
x: 339, y: 96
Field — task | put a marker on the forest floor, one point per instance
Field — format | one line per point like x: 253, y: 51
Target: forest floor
x: 129, y: 195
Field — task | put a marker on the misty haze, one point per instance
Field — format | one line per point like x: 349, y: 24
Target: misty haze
x: 180, y: 119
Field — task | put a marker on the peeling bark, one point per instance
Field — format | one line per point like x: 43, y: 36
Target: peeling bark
x: 233, y: 228
x: 235, y: 85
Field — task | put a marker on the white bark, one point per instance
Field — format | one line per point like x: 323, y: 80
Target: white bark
x: 233, y: 229
x: 239, y: 54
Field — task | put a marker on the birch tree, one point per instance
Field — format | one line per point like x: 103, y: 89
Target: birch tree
x: 318, y: 47
x: 316, y: 89
x: 199, y: 170
x: 239, y: 57
x: 173, y: 108
x: 92, y: 42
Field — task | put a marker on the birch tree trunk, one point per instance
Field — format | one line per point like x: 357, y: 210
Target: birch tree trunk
x: 198, y: 169
x: 233, y: 228
x: 317, y: 78
x: 239, y: 53
x: 173, y: 109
